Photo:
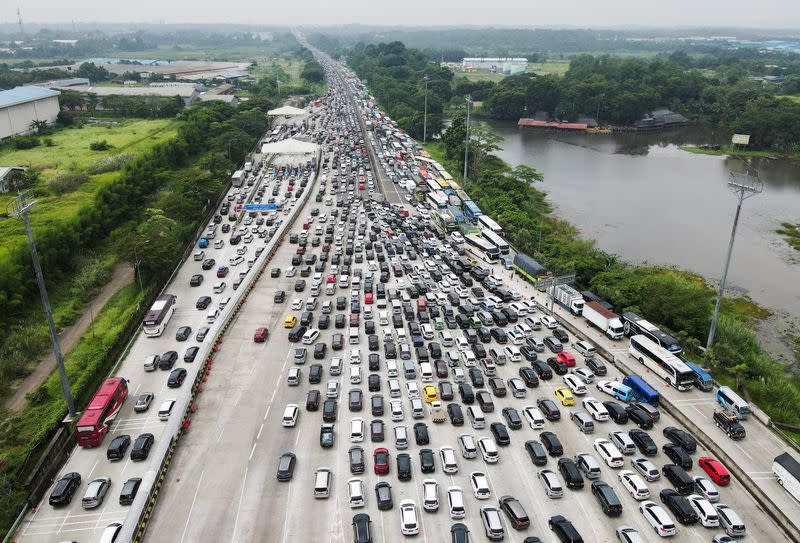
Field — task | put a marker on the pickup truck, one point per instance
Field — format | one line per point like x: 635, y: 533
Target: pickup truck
x: 326, y: 435
x: 437, y: 411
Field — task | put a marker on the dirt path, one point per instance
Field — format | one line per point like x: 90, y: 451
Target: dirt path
x: 121, y: 276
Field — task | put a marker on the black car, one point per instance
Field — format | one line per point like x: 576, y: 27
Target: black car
x: 643, y: 442
x: 484, y: 335
x: 141, y: 447
x: 383, y: 493
x: 315, y: 372
x: 570, y: 472
x: 421, y: 433
x: 372, y: 341
x: 557, y: 366
x: 275, y: 272
x: 616, y: 412
x: 117, y: 448
x: 404, y: 466
x: 607, y: 498
x: 639, y: 416
x: 196, y: 280
x: 340, y: 321
x: 542, y: 370
x: 357, y: 464
x: 678, y: 455
x: 553, y: 344
x: 300, y: 285
x: 681, y: 437
x: 320, y: 349
x: 190, y: 354
x: 681, y: 480
x: 176, y: 378
x: 512, y: 418
x: 466, y: 393
x: 485, y: 401
x: 455, y: 414
x: 208, y: 263
x: 529, y: 377
x: 528, y: 352
x: 552, y: 443
x: 476, y: 377
x: 680, y: 506
x: 498, y: 386
x: 168, y: 360
x: 560, y: 335
x: 536, y: 452
x: 203, y: 302
x: 280, y: 297
x: 64, y: 490
x: 183, y: 333
x: 355, y: 399
x: 564, y: 530
x: 374, y: 382
x: 596, y: 365
x: 459, y: 533
x: 362, y: 532
x: 374, y: 362
x: 376, y: 431
x: 286, y: 466
x: 549, y: 409
x: 500, y: 433
x: 324, y: 322
x: 426, y: 461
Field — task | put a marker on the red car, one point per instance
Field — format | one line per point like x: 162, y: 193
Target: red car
x: 566, y: 358
x: 306, y: 226
x: 404, y: 213
x: 222, y: 272
x: 261, y: 335
x: 715, y: 470
x: 361, y: 186
x: 368, y: 298
x: 381, y: 461
x: 331, y: 278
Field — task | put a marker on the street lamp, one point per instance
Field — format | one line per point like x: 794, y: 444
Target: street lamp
x: 466, y: 141
x: 137, y: 269
x: 425, y: 118
x: 743, y: 185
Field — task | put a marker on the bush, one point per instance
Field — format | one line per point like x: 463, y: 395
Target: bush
x: 26, y: 142
x: 64, y: 119
x: 109, y: 164
x: 101, y: 145
x: 66, y: 182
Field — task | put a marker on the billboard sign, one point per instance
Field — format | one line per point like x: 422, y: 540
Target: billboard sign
x: 740, y: 139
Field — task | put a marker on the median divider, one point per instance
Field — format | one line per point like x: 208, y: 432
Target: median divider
x: 781, y: 519
x: 136, y: 522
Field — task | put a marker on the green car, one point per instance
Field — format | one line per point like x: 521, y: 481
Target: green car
x: 475, y: 323
x: 438, y: 323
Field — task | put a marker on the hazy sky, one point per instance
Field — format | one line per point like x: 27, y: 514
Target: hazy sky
x: 749, y: 13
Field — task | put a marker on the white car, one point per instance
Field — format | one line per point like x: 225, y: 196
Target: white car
x: 355, y: 356
x: 455, y: 501
x: 480, y: 485
x: 534, y: 416
x: 413, y: 390
x: 297, y: 303
x: 409, y: 521
x: 462, y: 344
x: 596, y: 409
x: 449, y: 461
x: 706, y: 489
x: 626, y: 534
x: 332, y: 390
x: 355, y: 490
x: 430, y: 495
x: 661, y: 522
x: 622, y: 441
x: 468, y: 357
x: 291, y: 271
x: 575, y: 384
x: 586, y: 375
x: 549, y: 322
x: 609, y: 453
x: 634, y: 484
x: 705, y: 511
x: 427, y: 331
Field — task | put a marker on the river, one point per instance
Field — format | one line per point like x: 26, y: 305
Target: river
x: 644, y: 199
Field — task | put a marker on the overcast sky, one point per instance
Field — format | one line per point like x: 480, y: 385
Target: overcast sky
x: 586, y: 13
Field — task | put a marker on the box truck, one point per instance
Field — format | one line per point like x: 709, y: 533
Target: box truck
x: 607, y: 321
x: 567, y: 297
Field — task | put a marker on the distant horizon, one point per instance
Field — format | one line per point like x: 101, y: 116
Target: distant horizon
x: 767, y: 15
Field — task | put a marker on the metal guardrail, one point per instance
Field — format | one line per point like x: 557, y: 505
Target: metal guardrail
x: 138, y: 519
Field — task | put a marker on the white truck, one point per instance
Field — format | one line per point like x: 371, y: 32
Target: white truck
x: 238, y: 177
x: 437, y: 411
x: 787, y: 469
x: 567, y: 297
x: 607, y: 321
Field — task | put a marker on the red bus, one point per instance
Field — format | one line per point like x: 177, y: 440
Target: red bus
x: 155, y: 321
x: 101, y: 412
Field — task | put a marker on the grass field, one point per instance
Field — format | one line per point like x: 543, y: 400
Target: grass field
x: 541, y: 68
x: 233, y: 52
x: 728, y: 150
x: 795, y: 99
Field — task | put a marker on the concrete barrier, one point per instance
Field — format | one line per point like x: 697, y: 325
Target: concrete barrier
x: 781, y: 519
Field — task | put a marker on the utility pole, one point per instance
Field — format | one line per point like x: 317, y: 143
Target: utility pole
x: 743, y: 185
x: 136, y: 263
x: 466, y: 142
x: 21, y: 210
x: 425, y: 118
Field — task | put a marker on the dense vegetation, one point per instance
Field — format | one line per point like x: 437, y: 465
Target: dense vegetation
x: 680, y: 301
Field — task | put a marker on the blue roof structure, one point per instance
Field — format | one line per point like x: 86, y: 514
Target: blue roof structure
x: 22, y: 95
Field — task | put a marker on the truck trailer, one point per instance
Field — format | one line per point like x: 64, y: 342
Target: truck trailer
x: 567, y: 297
x: 238, y: 177
x: 604, y: 319
x: 787, y: 469
x: 528, y: 268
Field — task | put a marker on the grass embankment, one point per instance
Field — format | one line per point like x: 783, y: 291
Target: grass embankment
x: 789, y: 97
x: 729, y: 150
x: 791, y: 233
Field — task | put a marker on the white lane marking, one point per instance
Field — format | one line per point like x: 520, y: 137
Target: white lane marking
x: 252, y: 451
x: 220, y: 433
x: 288, y: 499
x: 189, y: 516
x: 259, y: 431
x: 137, y: 389
x: 239, y: 507
x: 743, y: 451
x: 700, y: 412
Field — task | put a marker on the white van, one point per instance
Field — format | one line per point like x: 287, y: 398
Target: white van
x: 585, y: 348
x: 489, y: 367
x: 498, y: 355
x: 426, y: 371
x: 166, y: 409
x: 523, y: 329
x: 355, y: 375
x: 397, y: 307
x: 476, y: 417
x: 336, y: 366
x: 400, y: 437
x: 534, y: 416
x: 467, y: 445
x: 322, y: 483
x: 396, y: 407
x: 293, y: 376
x: 357, y: 430
x: 391, y: 368
x: 290, y: 415
x: 352, y: 336
x: 516, y: 337
x: 488, y: 450
x: 430, y: 495
x: 394, y: 388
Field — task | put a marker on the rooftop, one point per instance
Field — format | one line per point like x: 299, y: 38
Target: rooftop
x: 22, y: 95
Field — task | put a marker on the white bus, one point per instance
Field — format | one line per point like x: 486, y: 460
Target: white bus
x: 483, y: 247
x: 155, y: 321
x: 494, y: 239
x: 663, y: 363
x: 487, y: 222
x: 437, y: 200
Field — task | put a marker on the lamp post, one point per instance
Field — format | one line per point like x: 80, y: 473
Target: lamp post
x: 743, y: 185
x: 466, y: 141
x: 425, y: 117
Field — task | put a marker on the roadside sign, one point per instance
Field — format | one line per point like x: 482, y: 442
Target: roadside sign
x: 260, y: 207
x: 543, y: 283
x: 740, y: 139
x: 562, y: 279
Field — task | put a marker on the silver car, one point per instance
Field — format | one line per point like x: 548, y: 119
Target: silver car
x: 96, y: 492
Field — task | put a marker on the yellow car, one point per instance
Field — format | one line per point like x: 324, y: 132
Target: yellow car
x: 429, y: 393
x: 290, y: 322
x: 565, y: 396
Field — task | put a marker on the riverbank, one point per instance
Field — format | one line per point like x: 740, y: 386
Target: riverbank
x: 729, y: 150
x: 791, y: 233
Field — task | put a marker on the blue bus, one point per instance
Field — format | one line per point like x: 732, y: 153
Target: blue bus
x: 642, y: 390
x: 702, y: 379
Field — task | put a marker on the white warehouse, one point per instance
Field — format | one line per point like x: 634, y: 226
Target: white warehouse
x: 20, y: 106
x: 508, y: 66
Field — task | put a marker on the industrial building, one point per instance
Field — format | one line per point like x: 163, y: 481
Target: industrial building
x: 508, y: 66
x: 187, y: 92
x: 21, y: 106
